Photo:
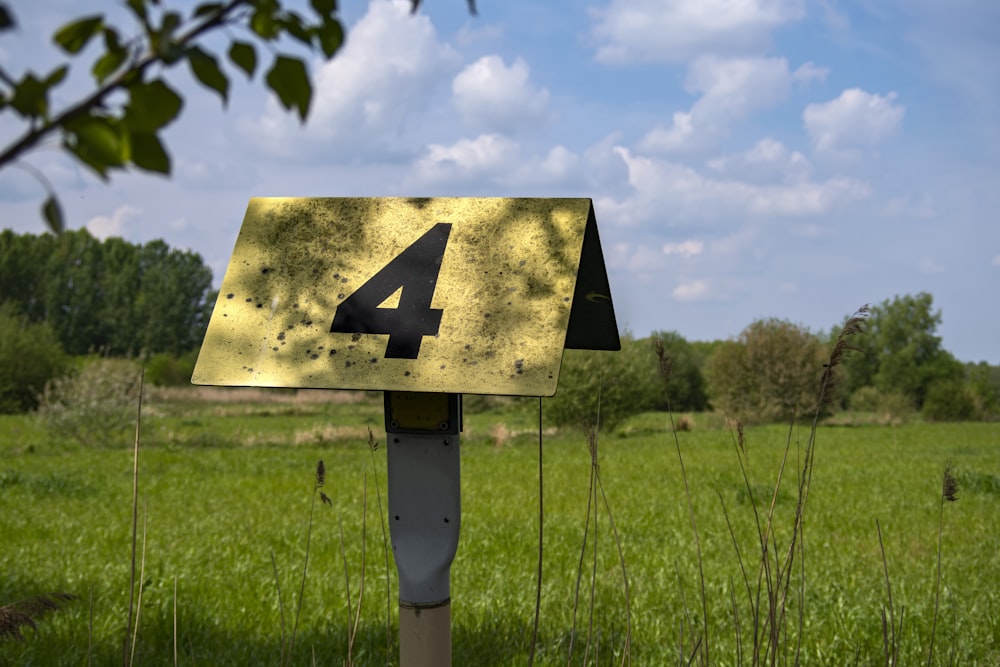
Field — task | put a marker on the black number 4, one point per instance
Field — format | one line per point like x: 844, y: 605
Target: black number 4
x: 415, y: 272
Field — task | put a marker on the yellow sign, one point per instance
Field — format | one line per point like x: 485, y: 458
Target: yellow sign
x: 476, y: 296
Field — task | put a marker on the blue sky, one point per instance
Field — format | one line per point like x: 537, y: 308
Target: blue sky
x: 747, y: 158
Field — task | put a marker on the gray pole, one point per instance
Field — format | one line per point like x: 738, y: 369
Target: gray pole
x: 424, y: 523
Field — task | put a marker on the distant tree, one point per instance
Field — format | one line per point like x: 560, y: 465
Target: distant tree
x: 685, y: 385
x: 30, y: 356
x: 901, y: 353
x: 983, y: 381
x: 770, y: 373
x: 949, y: 400
x: 605, y: 388
x: 113, y: 296
x: 174, y: 288
x: 71, y: 291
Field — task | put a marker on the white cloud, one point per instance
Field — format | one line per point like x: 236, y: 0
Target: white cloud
x: 808, y: 72
x: 636, y: 258
x: 687, y: 248
x: 856, y: 118
x: 665, y: 192
x: 389, y: 67
x: 466, y: 160
x: 731, y: 89
x: 105, y: 226
x: 488, y: 93
x: 503, y: 165
x: 995, y: 261
x: 768, y: 161
x: 676, y: 30
x: 558, y: 165
x: 694, y: 290
x: 905, y: 207
x: 927, y: 265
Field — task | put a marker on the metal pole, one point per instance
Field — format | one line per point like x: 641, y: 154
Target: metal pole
x: 424, y: 520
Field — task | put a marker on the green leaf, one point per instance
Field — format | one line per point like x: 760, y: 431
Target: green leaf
x: 7, y: 21
x: 244, y: 56
x: 324, y: 8
x: 30, y: 97
x: 151, y: 106
x: 263, y: 23
x: 290, y: 82
x: 73, y: 37
x: 162, y: 41
x: 96, y: 142
x: 148, y: 153
x: 56, y: 76
x: 112, y: 42
x: 331, y: 37
x: 205, y: 68
x: 293, y: 24
x: 52, y: 212
x: 138, y: 8
x: 171, y: 21
x: 206, y: 8
x: 108, y: 64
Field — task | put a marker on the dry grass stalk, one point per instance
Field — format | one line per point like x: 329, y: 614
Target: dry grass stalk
x: 890, y: 638
x: 541, y: 534
x: 320, y: 480
x: 828, y: 381
x: 949, y: 493
x: 281, y: 607
x: 364, y: 560
x: 142, y: 578
x: 372, y: 448
x: 666, y: 365
x: 126, y: 648
x: 175, y: 621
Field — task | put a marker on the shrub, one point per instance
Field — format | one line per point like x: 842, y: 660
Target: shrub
x: 96, y: 405
x: 949, y: 401
x: 30, y: 356
x: 769, y: 374
x: 604, y: 388
x: 889, y: 407
x: 685, y: 385
x: 167, y: 370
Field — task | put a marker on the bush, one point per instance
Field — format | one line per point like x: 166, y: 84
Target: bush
x: 96, y: 405
x: 771, y: 373
x: 949, y: 401
x: 30, y: 356
x: 889, y: 407
x: 606, y: 387
x: 167, y: 370
x: 685, y: 385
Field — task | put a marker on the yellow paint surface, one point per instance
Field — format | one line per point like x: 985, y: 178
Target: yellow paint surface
x: 505, y: 286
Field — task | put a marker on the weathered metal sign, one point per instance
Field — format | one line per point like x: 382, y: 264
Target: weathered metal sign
x: 434, y: 295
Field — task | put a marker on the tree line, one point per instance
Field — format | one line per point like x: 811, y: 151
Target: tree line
x: 111, y: 297
x: 71, y: 294
x: 895, y: 369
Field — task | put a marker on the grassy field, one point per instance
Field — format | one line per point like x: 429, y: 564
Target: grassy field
x: 226, y: 486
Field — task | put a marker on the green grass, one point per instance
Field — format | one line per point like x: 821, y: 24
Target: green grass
x: 224, y: 485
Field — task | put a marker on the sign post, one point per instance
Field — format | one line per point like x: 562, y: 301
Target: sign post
x: 425, y: 299
x: 422, y: 430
